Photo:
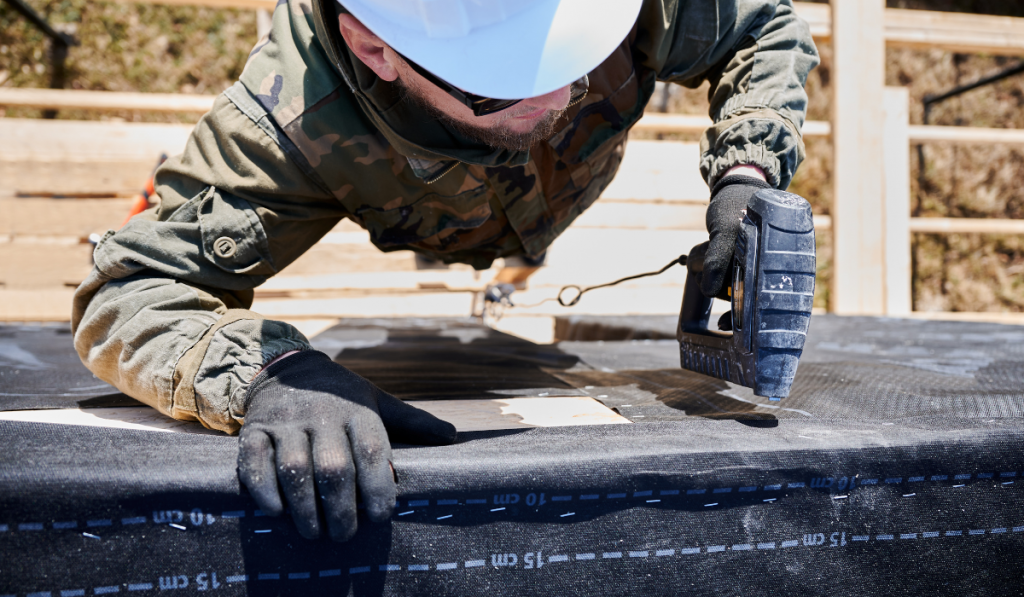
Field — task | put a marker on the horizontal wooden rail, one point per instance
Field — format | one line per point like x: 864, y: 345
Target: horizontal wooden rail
x: 965, y: 134
x: 949, y: 225
x: 967, y: 226
x: 250, y: 4
x: 65, y: 99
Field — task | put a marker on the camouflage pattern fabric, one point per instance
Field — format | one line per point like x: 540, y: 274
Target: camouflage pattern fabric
x: 309, y: 136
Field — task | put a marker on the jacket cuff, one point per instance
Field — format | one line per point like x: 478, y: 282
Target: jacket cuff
x: 760, y: 138
x: 211, y: 380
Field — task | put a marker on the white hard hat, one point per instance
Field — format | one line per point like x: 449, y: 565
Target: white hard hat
x: 503, y: 49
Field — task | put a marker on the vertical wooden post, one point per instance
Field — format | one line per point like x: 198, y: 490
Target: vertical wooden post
x: 858, y: 120
x: 897, y: 201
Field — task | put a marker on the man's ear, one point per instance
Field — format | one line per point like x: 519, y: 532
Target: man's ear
x: 368, y: 47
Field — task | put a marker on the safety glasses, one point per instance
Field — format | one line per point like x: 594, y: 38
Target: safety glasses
x: 482, y: 106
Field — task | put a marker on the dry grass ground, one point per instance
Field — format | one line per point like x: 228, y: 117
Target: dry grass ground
x: 157, y: 48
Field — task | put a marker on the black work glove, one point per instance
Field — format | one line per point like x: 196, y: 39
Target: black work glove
x: 728, y: 200
x: 315, y: 429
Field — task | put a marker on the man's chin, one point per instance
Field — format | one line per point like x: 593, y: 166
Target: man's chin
x: 515, y: 134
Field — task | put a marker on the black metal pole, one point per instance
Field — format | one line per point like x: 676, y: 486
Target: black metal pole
x: 30, y: 14
x: 59, y: 44
x: 1013, y: 70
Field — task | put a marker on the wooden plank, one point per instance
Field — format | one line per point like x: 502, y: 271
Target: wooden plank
x: 965, y: 134
x: 70, y: 99
x: 659, y: 170
x: 858, y: 132
x: 64, y: 141
x: 898, y: 275
x: 245, y: 4
x: 954, y: 32
x: 966, y: 226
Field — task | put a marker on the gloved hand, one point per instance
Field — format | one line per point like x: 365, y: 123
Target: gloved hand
x: 728, y: 200
x: 313, y: 429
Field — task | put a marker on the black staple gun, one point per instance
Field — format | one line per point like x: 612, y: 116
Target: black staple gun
x: 759, y: 342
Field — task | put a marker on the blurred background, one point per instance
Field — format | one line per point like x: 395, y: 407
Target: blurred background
x: 72, y: 166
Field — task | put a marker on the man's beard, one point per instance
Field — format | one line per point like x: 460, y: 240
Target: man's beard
x: 497, y: 135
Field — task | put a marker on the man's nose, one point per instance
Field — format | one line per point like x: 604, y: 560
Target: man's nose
x: 556, y: 100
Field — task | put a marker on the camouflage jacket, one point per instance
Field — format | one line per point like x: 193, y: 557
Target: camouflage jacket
x: 309, y: 136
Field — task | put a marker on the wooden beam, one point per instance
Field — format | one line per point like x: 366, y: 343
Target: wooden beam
x: 858, y: 122
x: 954, y: 32
x: 67, y: 99
x: 248, y: 4
x: 966, y: 226
x: 965, y: 134
x: 950, y: 31
x: 896, y: 217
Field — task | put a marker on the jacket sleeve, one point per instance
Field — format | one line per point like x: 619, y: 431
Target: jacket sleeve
x: 164, y: 316
x: 756, y: 54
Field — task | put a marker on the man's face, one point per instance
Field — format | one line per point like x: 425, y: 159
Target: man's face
x: 516, y: 128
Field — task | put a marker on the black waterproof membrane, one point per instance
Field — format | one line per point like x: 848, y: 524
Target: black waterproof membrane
x: 895, y: 467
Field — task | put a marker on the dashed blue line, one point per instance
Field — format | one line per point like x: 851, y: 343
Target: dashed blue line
x: 447, y: 502
x: 447, y: 566
x: 869, y: 482
x: 665, y: 552
x: 141, y: 586
x: 696, y: 491
x: 389, y: 567
x: 772, y: 487
x: 723, y: 490
x: 72, y: 593
x: 894, y: 480
x: 954, y: 533
x: 768, y: 545
x: 133, y: 520
x: 558, y: 558
x: 985, y: 475
x: 976, y: 532
x: 30, y: 526
x: 71, y: 524
x: 99, y: 523
x: 930, y: 534
x: 669, y: 492
x: 334, y: 572
x: 474, y: 563
x: 796, y: 485
x: 715, y: 548
x: 298, y: 576
x: 915, y: 479
x: 940, y: 477
x: 611, y: 555
x: 742, y: 547
x: 585, y: 556
x: 590, y: 496
x: 237, y: 578
x: 616, y: 496
x: 476, y: 502
x: 643, y: 494
x: 689, y: 551
x: 359, y: 570
x: 1007, y: 475
x: 561, y: 498
x: 233, y: 514
x: 268, y: 576
x: 418, y: 503
x: 747, y: 489
x: 884, y: 538
x: 106, y: 590
x: 419, y: 568
x: 791, y: 543
x: 962, y: 477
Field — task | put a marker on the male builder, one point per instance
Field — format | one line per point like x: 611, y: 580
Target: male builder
x: 464, y: 130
